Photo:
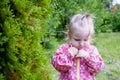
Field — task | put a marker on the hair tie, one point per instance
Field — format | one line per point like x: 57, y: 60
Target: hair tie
x: 82, y: 18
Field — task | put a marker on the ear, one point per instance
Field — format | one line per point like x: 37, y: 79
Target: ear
x: 69, y: 34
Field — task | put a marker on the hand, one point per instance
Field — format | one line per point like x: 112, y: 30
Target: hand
x: 82, y: 53
x: 73, y: 51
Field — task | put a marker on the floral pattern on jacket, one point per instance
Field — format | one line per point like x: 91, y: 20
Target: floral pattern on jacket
x: 66, y: 65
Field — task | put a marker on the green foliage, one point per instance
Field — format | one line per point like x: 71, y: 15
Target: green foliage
x: 116, y: 20
x: 61, y: 16
x: 22, y: 28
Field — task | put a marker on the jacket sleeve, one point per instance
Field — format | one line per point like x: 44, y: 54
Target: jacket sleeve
x: 61, y: 59
x: 94, y: 62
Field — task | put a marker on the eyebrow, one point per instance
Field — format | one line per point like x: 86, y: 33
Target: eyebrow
x: 77, y: 39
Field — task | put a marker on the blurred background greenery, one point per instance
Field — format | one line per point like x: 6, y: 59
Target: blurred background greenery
x: 31, y: 31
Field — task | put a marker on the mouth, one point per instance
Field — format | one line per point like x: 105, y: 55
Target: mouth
x: 80, y: 47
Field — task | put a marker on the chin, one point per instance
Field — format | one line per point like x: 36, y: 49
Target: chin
x: 80, y: 47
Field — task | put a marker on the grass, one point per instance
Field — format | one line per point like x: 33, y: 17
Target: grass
x: 108, y: 45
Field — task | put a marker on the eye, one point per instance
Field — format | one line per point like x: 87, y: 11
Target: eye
x: 77, y: 39
x: 85, y: 39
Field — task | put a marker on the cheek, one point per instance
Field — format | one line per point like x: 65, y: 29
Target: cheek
x: 87, y: 43
x: 75, y: 43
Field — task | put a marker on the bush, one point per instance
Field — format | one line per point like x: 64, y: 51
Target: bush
x: 22, y: 27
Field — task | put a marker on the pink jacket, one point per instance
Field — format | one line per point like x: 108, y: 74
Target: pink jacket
x: 66, y: 65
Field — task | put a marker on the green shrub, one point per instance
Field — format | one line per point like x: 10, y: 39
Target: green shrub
x: 22, y: 27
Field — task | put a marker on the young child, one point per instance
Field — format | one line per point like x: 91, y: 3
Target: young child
x: 64, y: 60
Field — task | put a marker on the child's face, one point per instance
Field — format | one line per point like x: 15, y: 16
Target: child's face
x: 79, y: 41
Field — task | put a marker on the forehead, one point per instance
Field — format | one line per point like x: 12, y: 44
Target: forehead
x: 77, y: 35
x: 80, y: 32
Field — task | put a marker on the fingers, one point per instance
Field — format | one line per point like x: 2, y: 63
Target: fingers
x: 73, y: 51
x: 82, y: 53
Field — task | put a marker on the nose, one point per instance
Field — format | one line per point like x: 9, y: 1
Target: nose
x: 81, y: 43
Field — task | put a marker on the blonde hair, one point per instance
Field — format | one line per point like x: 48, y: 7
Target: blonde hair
x: 82, y: 21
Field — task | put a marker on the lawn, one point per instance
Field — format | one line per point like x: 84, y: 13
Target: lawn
x: 108, y: 45
x: 109, y: 48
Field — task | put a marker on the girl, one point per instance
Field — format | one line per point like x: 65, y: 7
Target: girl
x: 64, y: 60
